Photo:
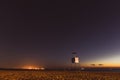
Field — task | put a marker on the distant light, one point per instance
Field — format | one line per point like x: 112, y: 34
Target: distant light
x: 33, y: 68
x: 30, y: 67
x: 82, y: 68
x: 42, y: 68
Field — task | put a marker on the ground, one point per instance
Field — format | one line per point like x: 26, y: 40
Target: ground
x: 58, y: 75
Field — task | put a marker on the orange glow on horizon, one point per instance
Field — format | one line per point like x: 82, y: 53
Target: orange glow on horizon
x: 29, y: 67
x: 110, y: 61
x: 33, y: 68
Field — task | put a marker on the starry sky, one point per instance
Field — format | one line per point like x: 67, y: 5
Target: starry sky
x: 45, y: 32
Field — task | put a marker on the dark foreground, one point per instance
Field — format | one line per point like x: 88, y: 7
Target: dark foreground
x: 58, y: 75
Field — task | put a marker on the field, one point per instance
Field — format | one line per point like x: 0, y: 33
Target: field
x: 58, y: 75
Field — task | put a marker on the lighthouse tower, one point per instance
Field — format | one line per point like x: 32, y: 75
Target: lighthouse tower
x: 75, y: 59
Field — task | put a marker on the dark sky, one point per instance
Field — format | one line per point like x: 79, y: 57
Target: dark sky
x: 45, y: 32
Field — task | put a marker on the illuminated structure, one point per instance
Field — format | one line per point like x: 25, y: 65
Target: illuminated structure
x: 75, y: 59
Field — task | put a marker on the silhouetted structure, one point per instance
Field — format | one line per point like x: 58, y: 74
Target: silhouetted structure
x: 100, y: 65
x: 93, y: 65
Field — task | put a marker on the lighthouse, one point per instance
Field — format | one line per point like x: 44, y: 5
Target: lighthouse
x: 75, y: 60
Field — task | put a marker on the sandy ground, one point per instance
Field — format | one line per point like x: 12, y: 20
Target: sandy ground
x: 58, y: 75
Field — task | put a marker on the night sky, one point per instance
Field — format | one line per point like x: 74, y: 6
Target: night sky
x: 45, y: 32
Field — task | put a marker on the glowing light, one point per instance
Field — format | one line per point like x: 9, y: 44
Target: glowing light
x: 33, y: 68
x: 76, y: 59
x: 42, y: 68
x: 30, y: 67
